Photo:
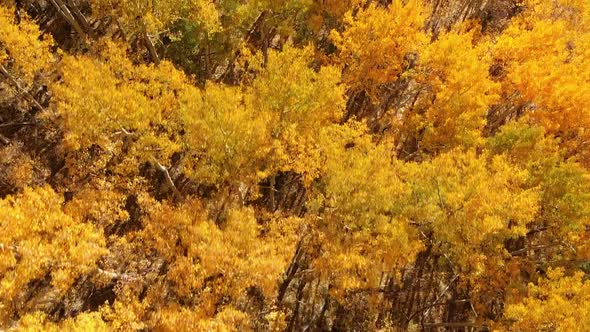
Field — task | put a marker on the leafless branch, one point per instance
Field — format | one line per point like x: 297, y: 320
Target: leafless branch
x: 65, y: 12
x: 151, y: 48
x: 168, y: 179
x: 19, y: 88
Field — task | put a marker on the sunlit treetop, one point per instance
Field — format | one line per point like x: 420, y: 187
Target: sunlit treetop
x: 24, y: 50
x: 26, y: 59
x: 219, y: 261
x: 228, y: 141
x: 299, y: 101
x: 36, y: 241
x: 559, y: 302
x: 544, y: 55
x: 359, y: 204
x: 103, y: 100
x: 154, y: 16
x: 472, y: 204
x: 39, y: 322
x: 377, y: 42
x: 457, y: 92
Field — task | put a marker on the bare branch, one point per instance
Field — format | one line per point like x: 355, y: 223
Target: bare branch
x: 4, y: 140
x: 64, y: 11
x: 456, y: 325
x: 117, y: 276
x: 20, y: 89
x: 168, y: 179
x: 76, y: 10
x: 151, y: 48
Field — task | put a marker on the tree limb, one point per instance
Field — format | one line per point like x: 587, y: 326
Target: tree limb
x: 14, y: 82
x: 65, y: 12
x: 76, y: 10
x: 439, y: 297
x: 168, y: 179
x: 456, y: 325
x: 151, y: 48
x: 4, y: 140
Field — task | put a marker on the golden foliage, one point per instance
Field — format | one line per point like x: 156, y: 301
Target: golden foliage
x: 545, y: 54
x: 458, y: 92
x: 473, y: 204
x: 229, y: 140
x: 376, y: 43
x: 154, y: 16
x: 297, y: 108
x: 38, y: 322
x: 558, y: 303
x: 337, y: 167
x: 359, y: 209
x: 23, y: 48
x: 217, y: 262
x: 40, y: 241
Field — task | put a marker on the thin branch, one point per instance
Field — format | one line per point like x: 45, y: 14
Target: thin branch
x: 431, y: 305
x: 117, y: 276
x: 4, y: 140
x: 168, y: 179
x: 19, y: 88
x: 151, y: 48
x: 456, y: 325
x: 74, y: 8
x: 64, y: 11
x: 4, y: 125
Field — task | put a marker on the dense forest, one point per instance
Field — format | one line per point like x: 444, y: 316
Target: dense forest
x: 295, y: 165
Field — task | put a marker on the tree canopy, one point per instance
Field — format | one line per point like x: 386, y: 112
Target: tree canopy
x: 295, y: 165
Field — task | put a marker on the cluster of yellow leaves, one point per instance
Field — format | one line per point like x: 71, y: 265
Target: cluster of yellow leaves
x: 23, y: 49
x: 562, y: 185
x: 546, y: 57
x: 556, y: 303
x: 38, y: 240
x: 359, y: 207
x: 154, y: 16
x: 220, y: 261
x: 281, y: 14
x: 467, y: 197
x: 231, y: 134
x: 246, y: 133
x: 375, y: 45
x: 38, y: 322
x: 448, y: 76
x: 101, y: 101
x: 472, y: 204
x: 457, y: 93
x: 98, y: 203
x: 228, y: 319
x: 127, y: 313
x: 228, y: 139
x: 297, y: 107
x: 242, y: 18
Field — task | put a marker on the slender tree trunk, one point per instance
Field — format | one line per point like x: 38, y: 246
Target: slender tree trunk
x: 151, y: 48
x: 65, y: 12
